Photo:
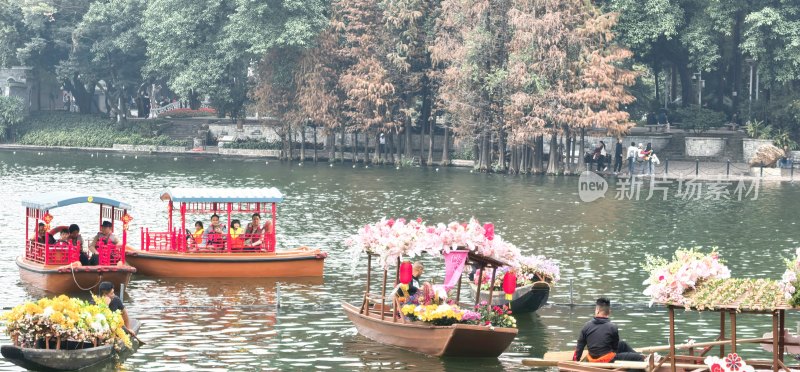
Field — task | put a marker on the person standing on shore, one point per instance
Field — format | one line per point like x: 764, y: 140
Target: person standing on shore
x: 648, y: 159
x: 633, y: 152
x: 618, y: 156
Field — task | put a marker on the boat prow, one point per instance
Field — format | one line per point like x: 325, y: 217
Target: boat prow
x: 73, y: 357
x: 300, y: 262
x: 526, y: 299
x: 72, y: 278
x: 457, y: 340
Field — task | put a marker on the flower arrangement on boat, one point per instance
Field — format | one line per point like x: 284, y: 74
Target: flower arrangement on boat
x: 448, y: 314
x: 63, y: 319
x: 531, y: 269
x: 789, y: 280
x: 669, y: 280
x: 391, y: 239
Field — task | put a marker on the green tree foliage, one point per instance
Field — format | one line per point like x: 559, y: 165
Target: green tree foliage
x: 12, y: 112
x: 107, y: 46
x: 209, y: 46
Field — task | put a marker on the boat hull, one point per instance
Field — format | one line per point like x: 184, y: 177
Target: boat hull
x: 526, y: 299
x: 285, y: 264
x: 64, y: 360
x: 458, y: 340
x: 71, y: 279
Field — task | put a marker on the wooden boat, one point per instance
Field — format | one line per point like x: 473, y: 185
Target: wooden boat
x: 55, y: 267
x: 379, y: 322
x: 457, y: 340
x: 72, y: 356
x: 177, y: 253
x: 526, y: 299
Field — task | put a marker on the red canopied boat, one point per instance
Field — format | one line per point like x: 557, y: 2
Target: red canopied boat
x: 55, y: 267
x: 178, y: 252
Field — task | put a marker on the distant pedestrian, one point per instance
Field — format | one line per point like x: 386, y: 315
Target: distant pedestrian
x: 600, y: 156
x: 647, y: 158
x: 633, y: 153
x: 382, y: 143
x: 618, y: 156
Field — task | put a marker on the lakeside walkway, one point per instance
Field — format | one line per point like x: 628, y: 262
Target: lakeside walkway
x: 698, y: 170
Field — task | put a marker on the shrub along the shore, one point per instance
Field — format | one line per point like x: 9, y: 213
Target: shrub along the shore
x: 76, y: 130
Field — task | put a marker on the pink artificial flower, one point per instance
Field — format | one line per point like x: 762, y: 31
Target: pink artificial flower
x: 716, y: 368
x: 419, y: 220
x: 660, y: 278
x: 489, y: 231
x: 390, y: 222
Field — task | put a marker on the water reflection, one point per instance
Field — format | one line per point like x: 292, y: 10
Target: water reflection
x: 237, y: 324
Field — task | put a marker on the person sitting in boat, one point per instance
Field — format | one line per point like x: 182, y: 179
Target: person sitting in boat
x: 114, y: 303
x: 416, y: 273
x: 215, y: 236
x: 601, y: 337
x: 237, y: 232
x: 103, y: 238
x: 63, y: 240
x: 254, y: 233
x: 196, y: 238
x: 42, y: 236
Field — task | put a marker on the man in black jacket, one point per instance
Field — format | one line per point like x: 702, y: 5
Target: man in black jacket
x: 601, y: 337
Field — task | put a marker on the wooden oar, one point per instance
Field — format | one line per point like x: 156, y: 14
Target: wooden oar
x: 135, y: 337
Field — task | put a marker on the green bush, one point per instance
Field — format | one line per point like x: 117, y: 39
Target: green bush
x: 253, y: 144
x: 699, y: 119
x: 76, y: 130
x: 12, y: 112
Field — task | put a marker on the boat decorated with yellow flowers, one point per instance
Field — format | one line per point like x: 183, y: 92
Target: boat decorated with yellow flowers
x: 430, y: 320
x: 65, y: 334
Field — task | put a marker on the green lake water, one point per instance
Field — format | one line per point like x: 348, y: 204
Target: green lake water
x: 259, y: 324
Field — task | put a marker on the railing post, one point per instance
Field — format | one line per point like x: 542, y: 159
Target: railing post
x: 666, y: 167
x: 762, y: 169
x: 728, y: 168
x: 696, y: 167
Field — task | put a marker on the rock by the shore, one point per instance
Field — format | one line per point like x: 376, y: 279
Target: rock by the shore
x: 767, y: 155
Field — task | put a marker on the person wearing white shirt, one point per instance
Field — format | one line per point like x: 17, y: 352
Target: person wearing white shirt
x: 633, y: 152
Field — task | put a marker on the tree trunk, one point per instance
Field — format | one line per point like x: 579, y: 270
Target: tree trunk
x: 354, y: 149
x: 567, y: 151
x: 332, y: 144
x: 377, y: 158
x: 686, y: 83
x: 445, y: 148
x: 291, y: 142
x: 303, y: 142
x: 538, y: 155
x: 431, y: 125
x: 341, y: 146
x: 581, y: 160
x: 501, y: 149
x: 552, y: 164
x: 736, y: 65
x: 315, y: 144
x: 407, y: 136
x: 656, y: 71
x: 399, y: 146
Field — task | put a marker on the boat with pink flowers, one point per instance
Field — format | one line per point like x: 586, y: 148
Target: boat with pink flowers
x: 536, y: 275
x: 429, y: 320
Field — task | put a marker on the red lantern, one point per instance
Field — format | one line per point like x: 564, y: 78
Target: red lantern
x: 406, y: 272
x: 509, y: 284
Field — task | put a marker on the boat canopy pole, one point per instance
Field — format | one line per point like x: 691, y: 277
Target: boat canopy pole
x: 491, y: 284
x: 365, y: 305
x: 480, y: 278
